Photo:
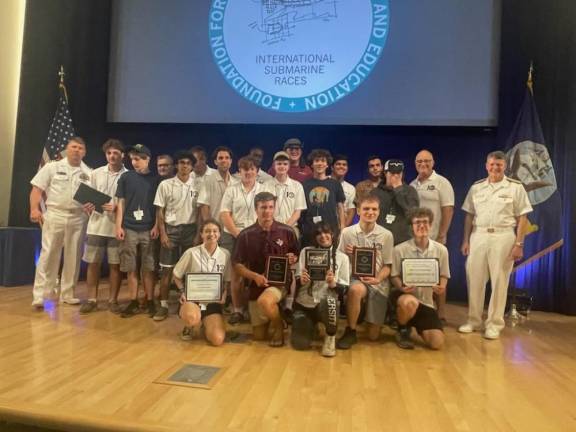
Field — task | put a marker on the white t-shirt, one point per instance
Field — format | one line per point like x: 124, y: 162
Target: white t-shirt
x: 212, y: 191
x: 435, y: 192
x: 178, y: 199
x: 379, y: 238
x: 106, y: 181
x: 240, y: 204
x: 60, y: 181
x: 289, y: 197
x: 310, y: 295
x: 198, y: 260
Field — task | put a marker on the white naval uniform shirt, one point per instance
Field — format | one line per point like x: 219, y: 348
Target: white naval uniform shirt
x: 435, y: 192
x: 289, y: 197
x: 379, y: 238
x: 408, y: 249
x: 240, y: 204
x: 310, y: 295
x: 178, y: 199
x: 60, y: 181
x: 198, y: 260
x: 497, y: 205
x: 106, y: 181
x: 212, y: 191
x: 199, y: 180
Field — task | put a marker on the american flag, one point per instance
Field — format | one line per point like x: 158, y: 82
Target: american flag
x: 61, y: 130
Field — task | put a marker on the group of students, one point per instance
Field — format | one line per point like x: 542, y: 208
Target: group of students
x: 201, y: 219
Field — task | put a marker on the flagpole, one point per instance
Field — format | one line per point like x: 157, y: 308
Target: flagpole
x: 62, y: 74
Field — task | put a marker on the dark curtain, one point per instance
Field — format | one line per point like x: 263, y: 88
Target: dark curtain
x: 76, y: 34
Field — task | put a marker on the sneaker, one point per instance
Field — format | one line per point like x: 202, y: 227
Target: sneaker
x: 70, y: 301
x: 491, y: 333
x: 236, y: 318
x: 161, y: 314
x: 114, y: 307
x: 467, y: 328
x: 38, y: 305
x: 130, y: 310
x: 151, y: 308
x: 403, y: 339
x: 329, y: 347
x: 348, y: 339
x: 187, y: 334
x: 89, y: 306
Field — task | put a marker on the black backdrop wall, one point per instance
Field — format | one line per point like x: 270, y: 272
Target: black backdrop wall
x: 77, y: 35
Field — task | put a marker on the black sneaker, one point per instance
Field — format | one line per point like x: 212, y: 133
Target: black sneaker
x: 236, y: 318
x: 347, y: 340
x: 161, y: 314
x: 87, y: 307
x: 130, y: 310
x: 151, y: 308
x: 403, y: 339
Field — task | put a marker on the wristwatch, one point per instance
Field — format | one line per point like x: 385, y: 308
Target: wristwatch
x: 519, y: 244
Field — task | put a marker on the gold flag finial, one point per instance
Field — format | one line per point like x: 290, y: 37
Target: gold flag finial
x: 529, y: 81
x: 61, y: 74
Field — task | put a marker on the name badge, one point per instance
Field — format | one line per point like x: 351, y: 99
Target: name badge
x: 390, y: 218
x: 202, y: 306
x: 138, y: 214
x: 317, y: 219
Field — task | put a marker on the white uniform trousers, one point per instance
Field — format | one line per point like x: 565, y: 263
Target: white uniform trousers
x: 488, y: 260
x: 66, y: 230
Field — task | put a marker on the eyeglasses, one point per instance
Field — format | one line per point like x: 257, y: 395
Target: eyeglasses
x: 163, y: 165
x: 421, y: 222
x: 419, y: 161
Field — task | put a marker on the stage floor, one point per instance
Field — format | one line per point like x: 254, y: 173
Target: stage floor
x: 70, y: 372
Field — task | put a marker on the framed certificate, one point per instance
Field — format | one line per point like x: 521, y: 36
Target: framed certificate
x: 277, y: 270
x: 317, y: 263
x: 420, y: 272
x: 203, y: 287
x: 364, y: 262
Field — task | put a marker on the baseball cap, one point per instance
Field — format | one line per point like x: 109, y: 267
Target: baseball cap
x: 281, y: 155
x: 293, y: 143
x: 394, y: 166
x: 140, y: 149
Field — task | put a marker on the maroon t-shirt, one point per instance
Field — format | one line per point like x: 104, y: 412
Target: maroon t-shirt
x: 295, y: 172
x: 254, y: 245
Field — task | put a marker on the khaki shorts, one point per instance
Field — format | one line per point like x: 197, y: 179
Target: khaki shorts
x: 182, y: 237
x: 137, y: 242
x: 96, y: 246
x: 375, y: 304
x: 257, y: 317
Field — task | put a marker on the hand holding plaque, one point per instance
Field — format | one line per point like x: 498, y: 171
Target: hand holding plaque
x: 203, y: 287
x: 317, y: 263
x: 364, y: 262
x: 420, y: 272
x: 277, y: 270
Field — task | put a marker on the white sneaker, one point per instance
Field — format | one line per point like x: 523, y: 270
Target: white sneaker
x: 38, y: 305
x: 329, y: 347
x: 467, y: 328
x: 70, y: 301
x: 491, y: 333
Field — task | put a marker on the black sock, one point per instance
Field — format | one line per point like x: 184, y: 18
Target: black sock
x: 350, y: 330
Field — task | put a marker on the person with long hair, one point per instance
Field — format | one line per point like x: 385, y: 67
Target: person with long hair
x: 317, y: 301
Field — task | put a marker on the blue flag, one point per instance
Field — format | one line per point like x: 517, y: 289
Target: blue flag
x: 529, y: 162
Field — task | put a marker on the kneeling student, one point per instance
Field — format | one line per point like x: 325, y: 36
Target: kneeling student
x: 317, y: 301
x: 415, y: 305
x: 205, y: 258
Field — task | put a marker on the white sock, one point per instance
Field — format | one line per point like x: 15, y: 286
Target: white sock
x: 164, y: 303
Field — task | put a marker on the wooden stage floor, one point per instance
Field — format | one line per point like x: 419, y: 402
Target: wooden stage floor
x: 70, y: 372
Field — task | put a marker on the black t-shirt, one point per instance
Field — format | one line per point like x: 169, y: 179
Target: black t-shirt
x: 138, y: 191
x: 322, y: 198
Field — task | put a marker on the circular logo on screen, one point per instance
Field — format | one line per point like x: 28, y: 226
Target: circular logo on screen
x: 297, y: 55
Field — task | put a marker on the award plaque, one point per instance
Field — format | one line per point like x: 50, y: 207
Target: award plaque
x: 420, y: 272
x: 364, y: 262
x: 277, y: 270
x: 317, y: 263
x: 203, y: 287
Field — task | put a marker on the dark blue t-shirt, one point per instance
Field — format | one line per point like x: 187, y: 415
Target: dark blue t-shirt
x: 322, y: 198
x: 138, y: 191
